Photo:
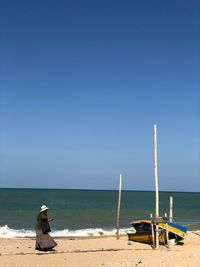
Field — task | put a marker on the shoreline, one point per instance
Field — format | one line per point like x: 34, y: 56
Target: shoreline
x: 197, y: 232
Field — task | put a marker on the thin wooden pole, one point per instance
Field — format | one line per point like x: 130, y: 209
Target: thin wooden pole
x: 152, y: 231
x: 167, y: 231
x: 156, y: 183
x: 171, y: 209
x: 119, y: 203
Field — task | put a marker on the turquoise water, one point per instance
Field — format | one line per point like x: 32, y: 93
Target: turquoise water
x: 76, y: 210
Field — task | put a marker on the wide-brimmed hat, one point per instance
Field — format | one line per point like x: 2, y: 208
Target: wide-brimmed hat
x: 43, y: 208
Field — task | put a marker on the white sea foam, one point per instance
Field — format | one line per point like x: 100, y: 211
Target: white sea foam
x: 7, y: 232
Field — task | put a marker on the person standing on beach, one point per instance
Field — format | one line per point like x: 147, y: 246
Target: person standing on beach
x: 44, y: 241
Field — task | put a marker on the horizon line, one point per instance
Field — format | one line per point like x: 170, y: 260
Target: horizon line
x: 92, y: 189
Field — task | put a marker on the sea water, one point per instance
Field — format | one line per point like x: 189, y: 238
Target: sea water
x: 89, y: 212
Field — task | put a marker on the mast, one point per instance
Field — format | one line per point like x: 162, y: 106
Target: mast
x: 156, y: 170
x: 119, y: 203
x: 156, y: 184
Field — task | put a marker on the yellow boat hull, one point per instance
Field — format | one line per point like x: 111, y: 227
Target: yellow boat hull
x: 142, y: 232
x: 146, y: 238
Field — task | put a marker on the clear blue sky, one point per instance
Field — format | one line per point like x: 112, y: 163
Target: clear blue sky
x: 83, y: 82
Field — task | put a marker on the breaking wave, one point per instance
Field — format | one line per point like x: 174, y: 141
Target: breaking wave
x: 7, y: 232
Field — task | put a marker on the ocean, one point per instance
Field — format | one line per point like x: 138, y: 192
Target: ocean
x: 89, y: 212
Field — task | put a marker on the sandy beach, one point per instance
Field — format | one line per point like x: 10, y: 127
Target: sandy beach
x: 104, y: 251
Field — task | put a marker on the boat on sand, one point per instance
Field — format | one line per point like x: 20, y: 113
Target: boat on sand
x: 142, y: 232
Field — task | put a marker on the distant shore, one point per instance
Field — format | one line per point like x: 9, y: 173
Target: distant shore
x: 98, y: 252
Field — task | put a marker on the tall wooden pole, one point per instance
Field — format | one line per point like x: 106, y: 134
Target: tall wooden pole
x: 156, y: 170
x: 171, y: 209
x: 156, y: 183
x: 119, y: 203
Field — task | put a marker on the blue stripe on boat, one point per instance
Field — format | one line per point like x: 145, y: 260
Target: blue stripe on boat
x: 179, y: 227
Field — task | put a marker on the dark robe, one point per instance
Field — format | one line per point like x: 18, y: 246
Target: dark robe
x: 43, y: 240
